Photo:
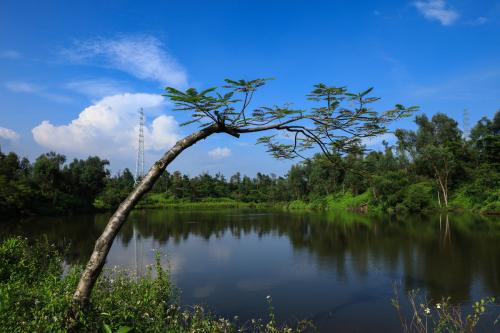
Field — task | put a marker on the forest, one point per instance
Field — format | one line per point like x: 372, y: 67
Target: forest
x: 432, y: 167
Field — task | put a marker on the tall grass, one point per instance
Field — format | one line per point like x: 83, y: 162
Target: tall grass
x: 423, y: 316
x: 35, y: 295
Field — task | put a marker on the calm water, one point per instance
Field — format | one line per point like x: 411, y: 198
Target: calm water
x: 338, y: 271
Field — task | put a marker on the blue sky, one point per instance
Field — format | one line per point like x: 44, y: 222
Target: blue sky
x: 72, y: 74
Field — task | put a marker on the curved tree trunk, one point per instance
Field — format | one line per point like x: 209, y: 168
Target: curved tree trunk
x: 104, y: 242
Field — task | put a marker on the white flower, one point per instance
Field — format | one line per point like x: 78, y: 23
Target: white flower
x: 438, y: 305
x: 427, y: 311
x: 268, y: 297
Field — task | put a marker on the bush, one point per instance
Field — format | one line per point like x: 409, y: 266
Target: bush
x: 298, y: 205
x: 347, y: 201
x: 418, y: 198
x: 35, y: 296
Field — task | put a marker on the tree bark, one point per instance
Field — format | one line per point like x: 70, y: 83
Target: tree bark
x: 103, y: 244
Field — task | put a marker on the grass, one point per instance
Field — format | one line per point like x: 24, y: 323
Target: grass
x: 338, y: 202
x: 35, y: 295
x: 160, y: 200
x: 423, y: 316
x: 418, y: 199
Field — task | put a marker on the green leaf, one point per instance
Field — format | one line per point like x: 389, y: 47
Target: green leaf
x: 106, y: 328
x: 189, y: 122
x: 124, y: 329
x: 206, y: 91
x: 366, y: 92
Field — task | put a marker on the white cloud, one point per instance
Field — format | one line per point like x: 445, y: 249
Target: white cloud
x: 479, y: 21
x: 108, y: 128
x: 23, y: 87
x: 437, y: 10
x: 9, y: 54
x: 220, y: 152
x: 97, y: 88
x: 476, y: 85
x: 8, y: 134
x: 141, y: 56
x: 30, y: 88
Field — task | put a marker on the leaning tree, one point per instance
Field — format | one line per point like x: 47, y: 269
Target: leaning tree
x: 334, y: 128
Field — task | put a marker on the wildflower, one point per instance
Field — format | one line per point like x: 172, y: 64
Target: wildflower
x: 268, y: 297
x: 427, y: 311
x: 438, y: 305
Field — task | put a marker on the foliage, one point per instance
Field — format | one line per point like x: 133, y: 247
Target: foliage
x: 412, y: 176
x: 400, y: 179
x: 163, y: 200
x: 35, y: 296
x: 440, y: 316
x: 116, y: 190
x: 48, y: 186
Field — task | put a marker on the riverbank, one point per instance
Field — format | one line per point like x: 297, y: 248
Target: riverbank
x: 35, y: 296
x: 363, y: 203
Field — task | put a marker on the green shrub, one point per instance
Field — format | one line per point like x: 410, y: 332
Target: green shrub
x: 347, y: 201
x: 298, y: 205
x: 417, y: 198
x: 35, y: 296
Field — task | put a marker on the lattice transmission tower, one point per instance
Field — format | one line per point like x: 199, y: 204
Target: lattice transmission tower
x: 139, y: 165
x: 466, y: 124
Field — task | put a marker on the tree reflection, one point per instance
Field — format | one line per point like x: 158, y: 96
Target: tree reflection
x: 443, y: 254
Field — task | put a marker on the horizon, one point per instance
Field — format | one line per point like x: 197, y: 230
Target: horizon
x: 76, y: 88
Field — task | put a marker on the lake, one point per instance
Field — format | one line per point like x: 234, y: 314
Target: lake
x: 336, y: 270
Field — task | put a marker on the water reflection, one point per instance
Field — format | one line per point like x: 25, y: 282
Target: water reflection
x: 326, y: 267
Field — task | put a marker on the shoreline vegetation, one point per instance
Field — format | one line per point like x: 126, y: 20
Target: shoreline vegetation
x: 36, y: 294
x: 433, y: 168
x: 36, y: 288
x: 339, y: 203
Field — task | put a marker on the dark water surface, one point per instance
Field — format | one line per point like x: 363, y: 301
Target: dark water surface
x: 337, y: 270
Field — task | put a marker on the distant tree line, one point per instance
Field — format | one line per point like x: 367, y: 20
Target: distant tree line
x: 434, y: 166
x: 49, y: 185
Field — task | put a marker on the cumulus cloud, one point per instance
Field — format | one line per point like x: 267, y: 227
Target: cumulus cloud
x: 219, y: 152
x: 8, y: 134
x: 108, y: 128
x: 437, y: 10
x: 141, y: 56
x: 97, y: 88
x: 31, y: 88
